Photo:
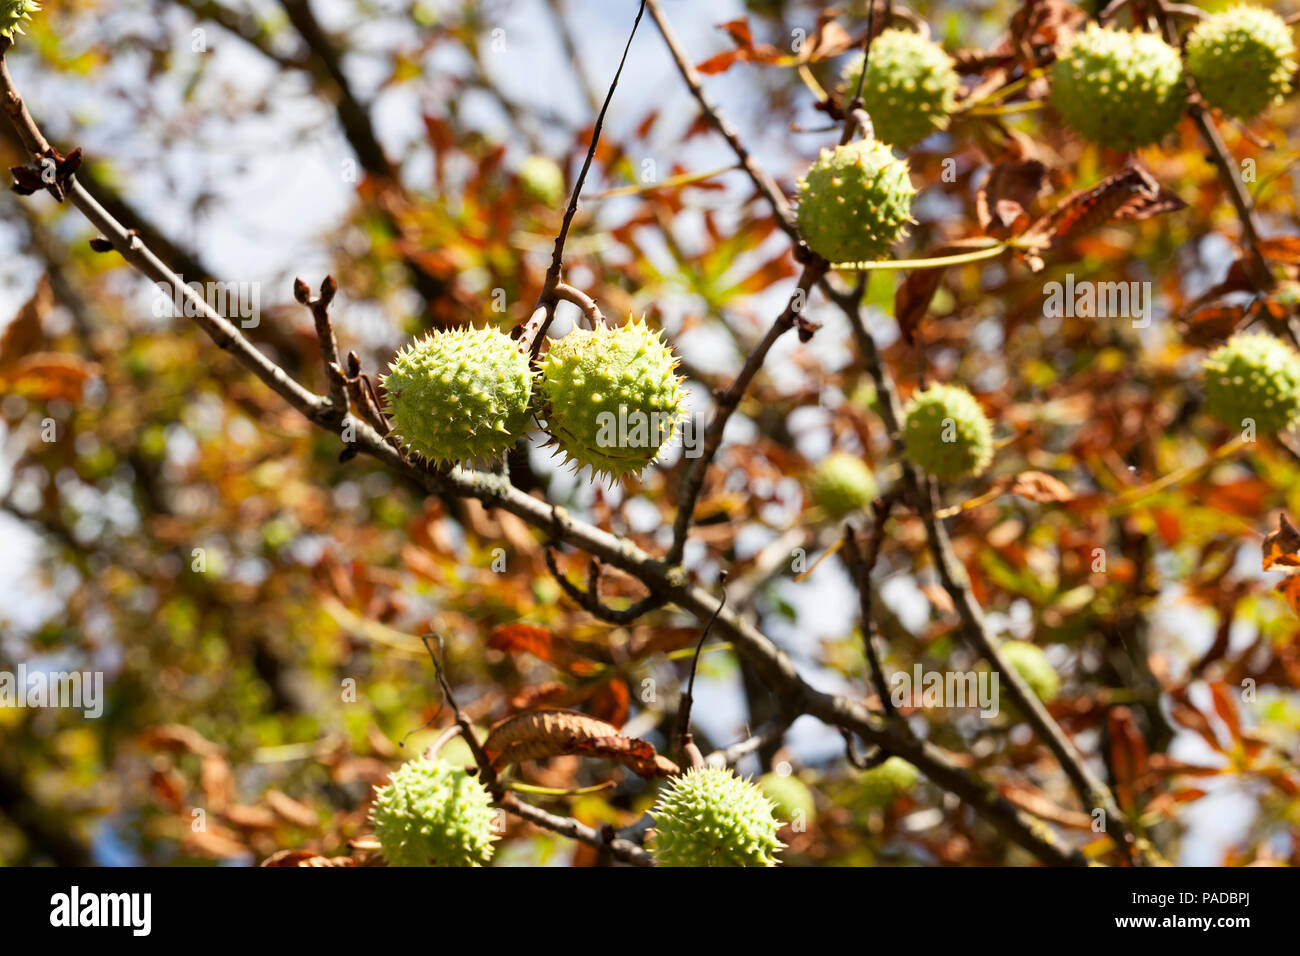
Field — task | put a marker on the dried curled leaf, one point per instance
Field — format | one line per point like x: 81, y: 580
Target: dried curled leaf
x: 538, y: 641
x: 539, y: 734
x: 1282, y: 553
x: 1006, y: 199
x: 1282, y: 547
x: 1130, y: 194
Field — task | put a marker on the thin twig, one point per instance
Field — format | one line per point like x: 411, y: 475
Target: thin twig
x: 727, y: 402
x: 619, y: 848
x: 771, y: 731
x: 855, y: 116
x: 586, y: 303
x: 487, y: 773
x: 861, y: 565
x: 533, y: 332
x: 590, y: 601
x: 1232, y: 184
x: 329, y: 346
x: 682, y: 731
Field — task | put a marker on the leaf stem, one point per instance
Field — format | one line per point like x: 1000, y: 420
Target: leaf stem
x: 934, y: 262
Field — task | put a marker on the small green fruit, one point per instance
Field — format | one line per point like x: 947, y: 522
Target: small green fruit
x: 947, y: 433
x: 882, y: 785
x: 13, y: 13
x: 855, y: 202
x: 613, y: 397
x: 710, y: 817
x: 1117, y: 88
x: 1242, y: 60
x: 459, y: 395
x: 910, y: 89
x: 790, y: 797
x: 433, y: 814
x: 1257, y: 377
x: 1032, y: 664
x: 842, y: 484
x: 542, y: 179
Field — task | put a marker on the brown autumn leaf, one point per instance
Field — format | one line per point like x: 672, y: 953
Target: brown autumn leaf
x: 1186, y: 715
x: 1036, y: 29
x: 1281, y: 249
x: 1045, y: 23
x: 1282, y: 553
x: 1211, y: 324
x: 290, y: 810
x: 1289, y: 588
x: 246, y: 817
x: 25, y: 334
x: 1226, y: 707
x: 829, y: 39
x: 1128, y: 755
x: 549, y: 694
x: 1168, y: 766
x: 637, y: 755
x: 746, y: 51
x: 47, y: 375
x: 611, y: 701
x: 664, y: 640
x: 606, y: 700
x: 177, y: 738
x: 1130, y: 194
x: 912, y: 300
x: 168, y: 786
x: 1007, y: 197
x: 1282, y: 547
x: 216, y: 781
x: 1039, y: 486
x: 539, y: 734
x: 216, y: 842
x: 1042, y: 806
x: 542, y: 644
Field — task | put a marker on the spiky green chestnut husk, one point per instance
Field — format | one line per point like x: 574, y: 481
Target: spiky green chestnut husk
x: 542, y: 179
x: 1118, y: 88
x: 1031, y: 663
x: 13, y: 13
x: 433, y: 814
x: 910, y: 89
x: 710, y: 817
x: 882, y: 785
x: 1254, y: 376
x: 855, y: 202
x: 946, y: 432
x: 842, y: 484
x: 613, y: 397
x: 790, y: 797
x: 1242, y: 60
x: 459, y: 395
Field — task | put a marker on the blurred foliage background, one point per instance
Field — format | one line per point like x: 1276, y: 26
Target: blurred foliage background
x: 254, y: 603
